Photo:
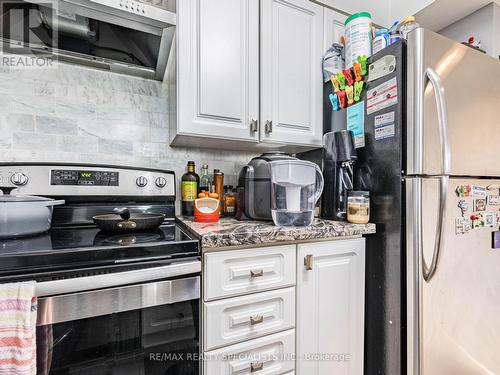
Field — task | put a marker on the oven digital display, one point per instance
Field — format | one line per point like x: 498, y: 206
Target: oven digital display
x: 90, y: 178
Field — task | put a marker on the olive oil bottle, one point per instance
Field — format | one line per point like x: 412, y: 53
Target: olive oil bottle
x: 189, y: 189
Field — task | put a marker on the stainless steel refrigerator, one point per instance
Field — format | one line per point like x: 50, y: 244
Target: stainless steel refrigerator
x: 431, y: 133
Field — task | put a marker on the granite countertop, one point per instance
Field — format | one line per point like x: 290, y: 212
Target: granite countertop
x: 231, y: 232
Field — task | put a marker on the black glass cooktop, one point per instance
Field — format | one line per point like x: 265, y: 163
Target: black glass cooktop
x: 78, y: 247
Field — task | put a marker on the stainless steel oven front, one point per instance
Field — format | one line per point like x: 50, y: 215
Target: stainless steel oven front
x: 143, y: 321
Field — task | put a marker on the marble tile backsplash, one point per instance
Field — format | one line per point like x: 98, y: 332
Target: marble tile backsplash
x: 76, y: 114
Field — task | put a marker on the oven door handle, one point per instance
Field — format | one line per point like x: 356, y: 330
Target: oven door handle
x: 80, y: 284
x: 95, y: 303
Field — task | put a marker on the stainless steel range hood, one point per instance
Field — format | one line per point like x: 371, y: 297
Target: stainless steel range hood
x: 124, y: 36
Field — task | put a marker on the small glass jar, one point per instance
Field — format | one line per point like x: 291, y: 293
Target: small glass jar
x: 358, y: 207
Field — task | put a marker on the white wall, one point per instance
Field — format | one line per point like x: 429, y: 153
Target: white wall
x: 400, y: 9
x: 483, y: 24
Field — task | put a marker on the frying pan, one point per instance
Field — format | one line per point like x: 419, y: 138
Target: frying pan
x: 123, y: 221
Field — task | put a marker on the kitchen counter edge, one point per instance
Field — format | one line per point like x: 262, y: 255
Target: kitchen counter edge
x: 230, y: 233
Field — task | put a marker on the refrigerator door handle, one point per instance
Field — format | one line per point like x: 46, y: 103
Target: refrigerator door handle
x: 429, y: 271
x: 435, y: 80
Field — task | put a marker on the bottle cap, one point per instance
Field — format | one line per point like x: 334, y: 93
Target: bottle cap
x: 190, y: 162
x: 409, y: 19
x: 205, y: 166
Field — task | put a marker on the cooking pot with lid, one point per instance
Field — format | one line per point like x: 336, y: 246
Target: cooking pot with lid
x: 24, y: 215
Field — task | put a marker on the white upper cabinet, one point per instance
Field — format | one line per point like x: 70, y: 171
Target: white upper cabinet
x: 334, y: 28
x: 291, y: 78
x: 218, y: 69
x: 330, y: 306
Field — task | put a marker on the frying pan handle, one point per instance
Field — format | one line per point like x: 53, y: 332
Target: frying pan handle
x: 123, y: 212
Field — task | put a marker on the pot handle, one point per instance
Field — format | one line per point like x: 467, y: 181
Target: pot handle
x: 123, y: 212
x: 54, y: 203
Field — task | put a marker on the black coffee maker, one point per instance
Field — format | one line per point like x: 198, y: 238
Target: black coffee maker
x: 339, y: 157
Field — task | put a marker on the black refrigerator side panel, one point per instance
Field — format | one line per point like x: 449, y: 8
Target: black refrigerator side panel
x: 379, y: 169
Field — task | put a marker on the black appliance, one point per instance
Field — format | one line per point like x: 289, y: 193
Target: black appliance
x: 108, y: 303
x: 254, y: 187
x: 380, y: 170
x: 339, y: 157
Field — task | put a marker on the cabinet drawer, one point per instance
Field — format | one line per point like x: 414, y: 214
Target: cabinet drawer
x: 242, y: 318
x: 269, y: 355
x: 232, y: 273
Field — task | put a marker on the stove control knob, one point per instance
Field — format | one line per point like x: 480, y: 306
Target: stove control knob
x: 19, y: 179
x: 161, y: 182
x: 141, y: 181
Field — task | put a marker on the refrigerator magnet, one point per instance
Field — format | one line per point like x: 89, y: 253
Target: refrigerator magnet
x: 463, y: 225
x: 464, y: 206
x: 495, y: 240
x: 463, y: 191
x: 356, y: 123
x: 480, y: 204
x: 384, y: 126
x: 494, y: 200
x: 478, y: 191
x: 382, y: 96
x: 477, y: 221
x: 490, y: 219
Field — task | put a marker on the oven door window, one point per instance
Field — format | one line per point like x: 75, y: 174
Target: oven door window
x: 157, y: 340
x: 150, y: 329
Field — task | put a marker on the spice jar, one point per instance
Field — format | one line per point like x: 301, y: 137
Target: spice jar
x: 358, y: 207
x: 229, y: 201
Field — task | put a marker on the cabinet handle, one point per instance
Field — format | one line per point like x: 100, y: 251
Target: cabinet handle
x: 308, y: 262
x: 256, y: 273
x: 254, y: 125
x: 256, y: 319
x: 269, y: 126
x: 256, y: 366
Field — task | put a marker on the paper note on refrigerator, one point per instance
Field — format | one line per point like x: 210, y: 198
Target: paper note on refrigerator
x: 356, y: 123
x: 384, y: 126
x: 382, y: 96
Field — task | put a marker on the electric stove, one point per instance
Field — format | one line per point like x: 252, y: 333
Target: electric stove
x: 107, y: 302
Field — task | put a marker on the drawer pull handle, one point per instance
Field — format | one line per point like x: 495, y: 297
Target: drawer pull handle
x: 256, y: 366
x: 257, y: 319
x: 256, y: 273
x: 308, y: 262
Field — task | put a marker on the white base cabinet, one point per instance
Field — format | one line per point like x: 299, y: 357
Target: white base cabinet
x: 270, y: 355
x: 330, y: 307
x: 285, y: 309
x: 244, y: 318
